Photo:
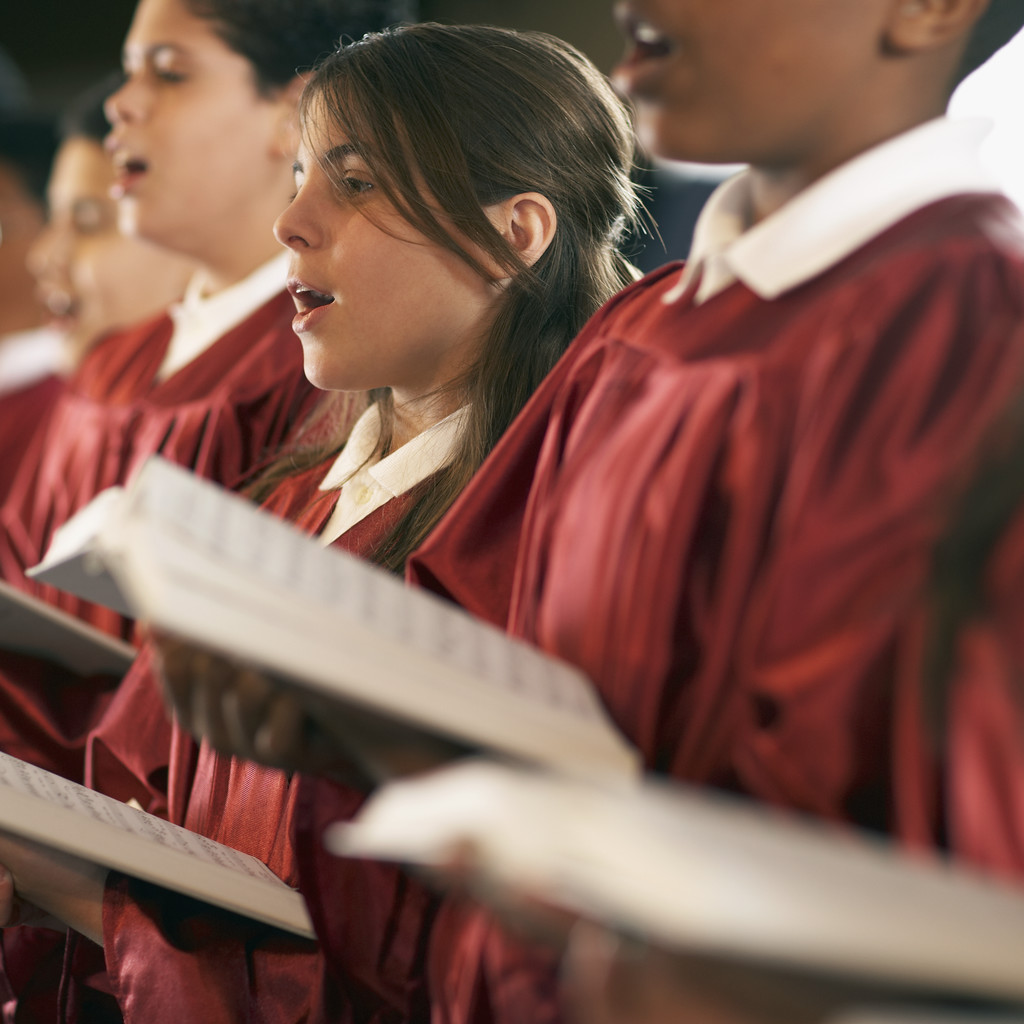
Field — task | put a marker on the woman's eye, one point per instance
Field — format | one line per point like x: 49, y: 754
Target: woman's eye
x: 356, y: 186
x: 167, y: 75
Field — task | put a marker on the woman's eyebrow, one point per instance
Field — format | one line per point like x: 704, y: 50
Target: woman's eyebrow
x: 152, y: 52
x: 338, y: 153
x: 335, y: 155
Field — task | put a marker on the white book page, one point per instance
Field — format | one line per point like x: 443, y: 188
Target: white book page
x: 694, y: 871
x: 209, y: 565
x: 75, y: 562
x: 78, y: 535
x: 31, y: 626
x: 45, y: 807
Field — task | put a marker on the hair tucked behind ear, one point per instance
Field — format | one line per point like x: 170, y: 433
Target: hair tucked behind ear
x: 457, y: 118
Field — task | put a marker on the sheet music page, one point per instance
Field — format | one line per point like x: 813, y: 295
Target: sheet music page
x: 80, y: 531
x: 58, y: 792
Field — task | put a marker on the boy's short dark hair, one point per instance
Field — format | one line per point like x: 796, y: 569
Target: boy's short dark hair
x: 282, y: 37
x: 995, y: 28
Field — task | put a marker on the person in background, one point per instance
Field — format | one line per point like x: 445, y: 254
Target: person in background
x: 30, y: 355
x: 203, y: 140
x: 91, y: 278
x: 203, y: 144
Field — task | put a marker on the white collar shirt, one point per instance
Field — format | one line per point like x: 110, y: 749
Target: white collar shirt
x: 200, y: 320
x: 834, y: 216
x: 365, y: 486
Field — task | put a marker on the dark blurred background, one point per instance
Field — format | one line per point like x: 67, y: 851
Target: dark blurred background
x: 62, y: 45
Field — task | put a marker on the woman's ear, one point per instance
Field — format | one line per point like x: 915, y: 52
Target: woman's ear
x: 286, y: 137
x: 527, y: 221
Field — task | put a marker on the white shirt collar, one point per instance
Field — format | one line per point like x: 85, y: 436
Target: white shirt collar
x: 835, y: 215
x: 366, y: 487
x: 200, y: 320
x: 29, y: 356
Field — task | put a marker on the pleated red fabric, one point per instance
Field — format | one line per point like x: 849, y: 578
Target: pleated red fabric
x: 23, y: 412
x: 730, y: 523
x: 969, y: 798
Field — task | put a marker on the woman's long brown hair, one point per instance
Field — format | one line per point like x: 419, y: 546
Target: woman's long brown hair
x: 453, y: 119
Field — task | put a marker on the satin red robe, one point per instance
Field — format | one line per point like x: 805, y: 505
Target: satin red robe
x: 173, y: 959
x: 23, y: 412
x: 971, y: 798
x: 730, y: 525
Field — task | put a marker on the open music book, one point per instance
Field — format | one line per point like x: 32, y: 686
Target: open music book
x: 691, y: 870
x: 31, y: 626
x: 205, y: 564
x: 71, y: 563
x: 42, y: 806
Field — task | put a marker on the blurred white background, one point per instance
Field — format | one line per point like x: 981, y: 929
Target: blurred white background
x: 996, y: 91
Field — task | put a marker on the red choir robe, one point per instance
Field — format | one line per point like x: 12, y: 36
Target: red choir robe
x: 23, y: 412
x: 170, y: 958
x: 730, y: 522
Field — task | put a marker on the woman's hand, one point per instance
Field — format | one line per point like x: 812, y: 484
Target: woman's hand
x: 238, y: 710
x: 247, y: 713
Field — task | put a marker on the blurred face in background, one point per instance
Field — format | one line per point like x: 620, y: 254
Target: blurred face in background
x: 90, y: 277
x: 195, y: 144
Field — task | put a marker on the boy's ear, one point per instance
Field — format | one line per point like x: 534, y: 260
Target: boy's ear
x: 527, y: 221
x: 919, y: 25
x: 286, y: 137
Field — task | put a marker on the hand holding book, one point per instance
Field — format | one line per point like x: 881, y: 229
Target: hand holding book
x: 703, y: 875
x: 241, y: 711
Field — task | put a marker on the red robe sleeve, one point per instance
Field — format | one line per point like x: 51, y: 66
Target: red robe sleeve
x: 23, y: 412
x: 732, y: 515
